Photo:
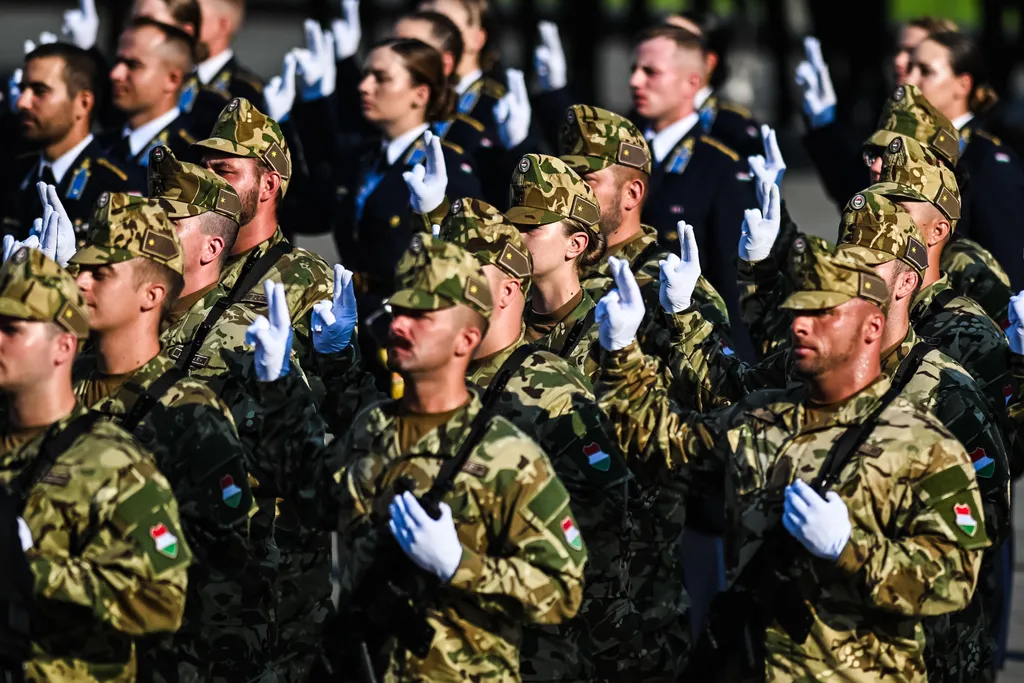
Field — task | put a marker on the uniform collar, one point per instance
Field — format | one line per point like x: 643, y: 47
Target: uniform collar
x: 483, y: 370
x: 664, y: 142
x: 469, y: 79
x: 891, y: 361
x: 394, y: 148
x: 701, y: 97
x: 925, y: 297
x: 141, y: 136
x: 853, y: 410
x: 206, y: 70
x: 61, y: 165
x: 961, y: 121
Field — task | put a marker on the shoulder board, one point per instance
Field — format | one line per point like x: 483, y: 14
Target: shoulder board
x: 992, y: 138
x: 186, y: 137
x: 250, y: 79
x: 214, y: 91
x: 113, y: 169
x: 452, y: 146
x: 494, y: 88
x: 720, y: 147
x: 735, y: 108
x: 469, y: 120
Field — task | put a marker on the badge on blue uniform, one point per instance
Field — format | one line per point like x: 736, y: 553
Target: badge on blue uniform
x: 441, y: 128
x: 78, y: 181
x: 680, y: 157
x: 707, y: 116
x: 469, y: 100
x: 188, y: 97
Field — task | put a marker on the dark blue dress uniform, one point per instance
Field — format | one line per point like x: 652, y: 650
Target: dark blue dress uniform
x: 731, y: 124
x: 234, y: 80
x: 705, y: 183
x: 91, y: 174
x: 179, y: 135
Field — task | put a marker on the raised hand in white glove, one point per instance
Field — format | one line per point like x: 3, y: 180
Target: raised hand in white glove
x: 316, y: 65
x: 57, y: 234
x: 1014, y: 333
x: 621, y: 311
x: 82, y: 25
x: 513, y: 111
x: 768, y: 168
x: 679, y: 274
x: 29, y: 46
x: 433, y: 544
x: 813, y: 77
x: 272, y: 338
x: 347, y: 30
x: 14, y: 90
x: 334, y: 321
x: 549, y: 58
x: 761, y: 227
x: 279, y: 92
x: 822, y: 525
x: 12, y: 246
x: 428, y: 181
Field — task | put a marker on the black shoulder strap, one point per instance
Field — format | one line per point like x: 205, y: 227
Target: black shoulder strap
x: 254, y: 269
x: 852, y: 439
x: 504, y: 374
x: 941, y: 300
x: 643, y: 255
x: 443, y: 483
x: 148, y: 398
x: 578, y: 331
x: 53, y: 445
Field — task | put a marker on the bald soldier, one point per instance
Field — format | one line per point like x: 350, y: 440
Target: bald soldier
x: 852, y: 513
x: 469, y: 499
x: 107, y: 557
x: 129, y: 274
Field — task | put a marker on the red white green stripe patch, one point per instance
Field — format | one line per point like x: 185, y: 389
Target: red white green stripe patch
x: 964, y: 519
x: 166, y: 542
x: 230, y: 493
x: 572, y: 534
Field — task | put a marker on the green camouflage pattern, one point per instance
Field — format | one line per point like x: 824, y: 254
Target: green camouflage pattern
x: 433, y: 274
x: 523, y: 560
x: 244, y: 131
x: 545, y: 190
x: 124, y: 227
x: 593, y: 139
x: 909, y: 114
x: 102, y: 579
x: 484, y: 232
x: 909, y: 555
x: 186, y: 189
x: 877, y: 230
x: 829, y: 280
x: 557, y: 338
x: 917, y: 173
x: 976, y: 274
x: 34, y: 287
x: 193, y: 439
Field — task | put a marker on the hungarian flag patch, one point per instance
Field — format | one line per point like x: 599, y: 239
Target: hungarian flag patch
x: 572, y: 534
x: 965, y: 520
x: 984, y: 466
x: 166, y: 542
x: 229, y: 491
x: 597, y: 458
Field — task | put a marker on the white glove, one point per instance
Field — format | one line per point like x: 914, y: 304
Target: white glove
x: 47, y: 38
x: 347, y: 30
x: 433, y: 544
x: 822, y: 525
x: 25, y: 534
x: 29, y: 46
x: 58, y: 235
x: 761, y: 228
x: 813, y: 77
x: 679, y: 275
x: 428, y: 182
x: 549, y: 58
x: 82, y: 25
x: 768, y: 168
x: 11, y: 245
x: 317, y: 67
x: 279, y: 92
x: 513, y: 111
x: 1014, y: 333
x: 621, y: 311
x: 272, y: 338
x: 334, y: 321
x: 14, y: 89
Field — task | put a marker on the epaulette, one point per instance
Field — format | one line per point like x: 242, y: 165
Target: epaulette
x: 493, y: 88
x: 250, y: 78
x: 184, y: 135
x: 735, y: 108
x: 216, y: 92
x: 113, y: 169
x: 995, y: 140
x: 453, y: 147
x: 469, y: 120
x: 720, y: 147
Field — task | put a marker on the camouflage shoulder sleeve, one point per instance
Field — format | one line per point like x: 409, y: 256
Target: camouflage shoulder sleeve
x: 544, y: 570
x: 930, y: 564
x: 131, y: 570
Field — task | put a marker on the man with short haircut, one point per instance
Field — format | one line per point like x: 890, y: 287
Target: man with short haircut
x: 219, y: 68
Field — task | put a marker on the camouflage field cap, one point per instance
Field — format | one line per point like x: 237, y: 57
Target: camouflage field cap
x: 186, y: 189
x: 827, y: 280
x: 124, y: 227
x: 876, y: 230
x: 35, y: 287
x: 433, y: 274
x: 484, y: 232
x: 907, y: 163
x: 545, y: 190
x: 593, y: 139
x: 245, y: 131
x: 908, y: 113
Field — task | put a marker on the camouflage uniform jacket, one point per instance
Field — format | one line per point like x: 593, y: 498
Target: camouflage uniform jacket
x: 523, y: 557
x: 555, y: 340
x: 193, y: 439
x: 109, y: 558
x: 910, y: 490
x: 975, y: 273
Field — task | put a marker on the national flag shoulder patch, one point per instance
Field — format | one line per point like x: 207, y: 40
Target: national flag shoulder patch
x: 166, y: 543
x: 597, y: 458
x: 984, y: 466
x: 230, y: 493
x: 572, y: 534
x: 965, y: 519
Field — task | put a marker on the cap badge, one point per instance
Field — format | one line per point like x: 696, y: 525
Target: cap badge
x: 899, y: 94
x: 103, y: 200
x: 457, y: 206
x: 858, y: 202
x: 416, y: 246
x: 896, y: 145
x: 524, y: 165
x: 233, y: 105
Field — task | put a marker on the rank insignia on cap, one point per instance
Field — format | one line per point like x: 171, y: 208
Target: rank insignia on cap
x: 416, y: 246
x: 899, y: 93
x: 159, y: 245
x: 916, y: 254
x: 524, y: 165
x: 896, y: 145
x: 858, y: 201
x: 474, y: 292
x: 103, y: 200
x: 632, y: 155
x: 233, y: 105
x: 20, y: 256
x: 586, y: 211
x: 457, y: 206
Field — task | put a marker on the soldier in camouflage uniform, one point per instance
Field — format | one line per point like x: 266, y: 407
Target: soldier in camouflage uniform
x: 108, y: 559
x: 188, y: 429
x: 519, y: 556
x: 906, y: 530
x: 247, y: 148
x: 553, y: 207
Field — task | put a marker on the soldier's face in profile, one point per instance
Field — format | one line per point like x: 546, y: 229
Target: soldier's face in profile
x: 931, y: 71
x: 474, y: 37
x: 28, y: 352
x: 243, y: 174
x: 387, y: 94
x: 420, y: 341
x: 826, y: 339
x: 910, y: 38
x: 141, y: 77
x: 608, y: 189
x: 665, y: 79
x: 45, y: 111
x: 110, y: 295
x: 549, y: 247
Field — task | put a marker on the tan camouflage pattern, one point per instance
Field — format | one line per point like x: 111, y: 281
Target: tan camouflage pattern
x: 829, y: 280
x: 244, y: 131
x: 484, y: 232
x: 434, y: 274
x: 909, y: 165
x: 877, y: 230
x: 101, y: 580
x: 186, y: 189
x: 545, y: 190
x: 909, y: 114
x: 35, y: 287
x: 975, y: 273
x: 556, y: 339
x: 593, y: 139
x: 909, y: 555
x: 124, y: 227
